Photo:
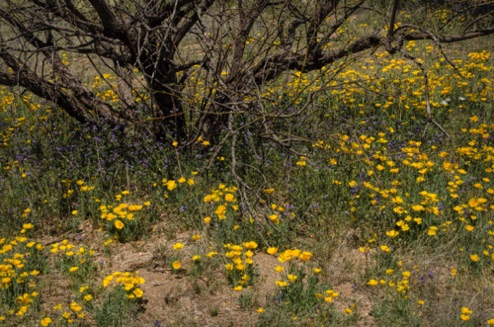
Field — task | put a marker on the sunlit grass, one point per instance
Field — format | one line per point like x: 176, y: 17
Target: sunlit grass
x: 412, y: 207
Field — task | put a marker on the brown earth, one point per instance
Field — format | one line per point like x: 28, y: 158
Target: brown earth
x: 179, y: 299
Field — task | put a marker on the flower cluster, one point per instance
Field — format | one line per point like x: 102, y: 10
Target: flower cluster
x: 20, y: 260
x: 129, y: 281
x: 240, y: 264
x: 223, y: 199
x: 123, y: 211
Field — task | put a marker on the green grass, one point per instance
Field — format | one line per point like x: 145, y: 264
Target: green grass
x: 374, y: 222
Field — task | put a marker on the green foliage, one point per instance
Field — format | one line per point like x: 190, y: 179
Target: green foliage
x: 396, y: 311
x: 374, y: 182
x: 116, y: 310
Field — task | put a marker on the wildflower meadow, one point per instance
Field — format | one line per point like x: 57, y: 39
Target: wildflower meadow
x: 380, y: 214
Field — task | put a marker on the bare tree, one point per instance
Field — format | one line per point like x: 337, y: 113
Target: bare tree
x: 155, y: 38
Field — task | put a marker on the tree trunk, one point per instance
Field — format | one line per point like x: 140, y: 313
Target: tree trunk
x: 168, y: 115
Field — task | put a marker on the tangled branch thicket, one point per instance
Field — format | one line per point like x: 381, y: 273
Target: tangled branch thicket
x: 204, y: 69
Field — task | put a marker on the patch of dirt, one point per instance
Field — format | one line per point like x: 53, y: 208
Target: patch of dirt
x: 344, y: 270
x: 179, y: 299
x: 350, y: 294
x: 265, y: 286
x: 176, y: 299
x: 173, y: 301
